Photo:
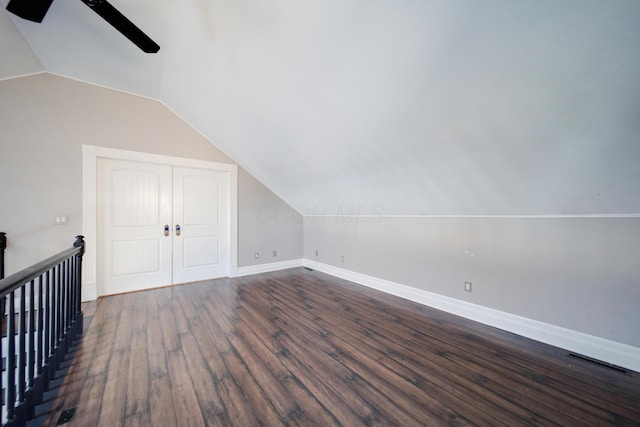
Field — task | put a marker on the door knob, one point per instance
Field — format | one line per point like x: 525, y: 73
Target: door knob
x: 166, y: 230
x: 177, y: 229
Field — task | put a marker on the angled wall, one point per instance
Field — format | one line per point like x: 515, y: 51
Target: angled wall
x: 44, y: 121
x: 269, y: 230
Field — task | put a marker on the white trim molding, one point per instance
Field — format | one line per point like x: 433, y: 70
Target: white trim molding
x: 523, y: 216
x: 266, y: 268
x: 89, y: 223
x: 89, y: 292
x: 136, y: 156
x: 613, y: 352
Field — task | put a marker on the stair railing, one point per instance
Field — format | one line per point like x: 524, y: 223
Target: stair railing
x: 41, y: 313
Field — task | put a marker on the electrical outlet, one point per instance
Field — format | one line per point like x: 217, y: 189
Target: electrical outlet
x: 342, y: 259
x: 467, y: 286
x: 62, y: 220
x: 316, y: 252
x: 257, y: 255
x: 275, y: 254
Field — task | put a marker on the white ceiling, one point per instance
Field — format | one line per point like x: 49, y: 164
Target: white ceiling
x: 400, y: 107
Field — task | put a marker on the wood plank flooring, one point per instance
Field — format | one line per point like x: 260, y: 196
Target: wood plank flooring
x: 302, y: 348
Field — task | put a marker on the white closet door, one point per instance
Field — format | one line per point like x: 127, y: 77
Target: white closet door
x: 136, y: 201
x: 134, y: 204
x: 201, y: 211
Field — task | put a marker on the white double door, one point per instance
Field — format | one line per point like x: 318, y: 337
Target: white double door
x: 160, y: 225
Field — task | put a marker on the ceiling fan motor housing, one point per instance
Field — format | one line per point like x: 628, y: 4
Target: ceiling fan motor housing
x: 33, y: 10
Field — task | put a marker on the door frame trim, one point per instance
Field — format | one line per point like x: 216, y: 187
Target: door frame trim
x: 90, y: 155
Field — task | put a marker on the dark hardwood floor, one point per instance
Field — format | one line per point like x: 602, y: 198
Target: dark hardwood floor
x: 302, y: 348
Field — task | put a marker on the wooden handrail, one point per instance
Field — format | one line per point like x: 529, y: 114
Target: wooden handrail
x: 13, y: 282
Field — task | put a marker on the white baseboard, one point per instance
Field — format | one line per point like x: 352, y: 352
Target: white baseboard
x: 609, y: 351
x: 265, y: 268
x: 90, y: 291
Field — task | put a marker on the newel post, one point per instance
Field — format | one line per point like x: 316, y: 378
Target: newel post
x: 79, y: 243
x: 3, y: 246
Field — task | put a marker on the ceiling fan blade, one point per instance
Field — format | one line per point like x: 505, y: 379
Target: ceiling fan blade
x: 33, y: 10
x: 122, y: 24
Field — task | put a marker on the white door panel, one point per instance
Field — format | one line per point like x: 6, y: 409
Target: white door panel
x: 200, y: 209
x: 134, y: 205
x: 201, y: 251
x: 135, y: 257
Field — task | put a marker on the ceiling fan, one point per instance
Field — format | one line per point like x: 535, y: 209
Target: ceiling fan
x: 35, y: 10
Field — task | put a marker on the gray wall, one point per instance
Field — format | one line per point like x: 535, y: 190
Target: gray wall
x: 265, y: 224
x: 578, y: 273
x: 45, y: 120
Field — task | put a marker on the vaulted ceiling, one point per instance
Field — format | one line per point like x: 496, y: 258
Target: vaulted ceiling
x: 401, y: 107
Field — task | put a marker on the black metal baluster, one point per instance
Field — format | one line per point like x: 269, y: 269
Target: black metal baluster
x: 48, y: 327
x: 22, y: 352
x: 63, y: 300
x: 72, y: 297
x: 40, y: 359
x: 76, y: 288
x: 30, y: 359
x: 3, y: 246
x: 60, y: 350
x: 3, y: 322
x: 67, y: 280
x: 60, y: 316
x: 67, y: 317
x: 68, y: 295
x: 3, y: 301
x: 72, y: 294
x: 60, y: 305
x: 31, y: 339
x: 65, y: 304
x: 11, y: 357
x: 40, y: 324
x: 56, y: 315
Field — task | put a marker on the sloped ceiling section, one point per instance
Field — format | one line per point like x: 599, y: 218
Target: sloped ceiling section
x: 395, y: 107
x: 74, y: 41
x: 17, y: 57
